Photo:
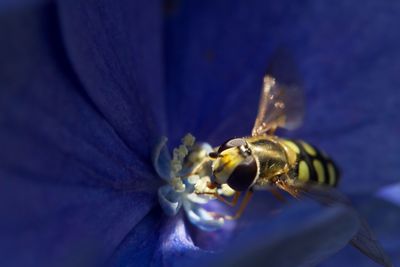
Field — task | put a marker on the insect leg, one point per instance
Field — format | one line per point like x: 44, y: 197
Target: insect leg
x: 231, y: 203
x: 275, y: 192
x: 242, y: 207
x: 272, y: 130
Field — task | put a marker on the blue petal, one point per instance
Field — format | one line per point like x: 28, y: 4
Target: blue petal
x: 304, y: 230
x: 175, y: 244
x: 156, y: 241
x: 47, y: 224
x: 116, y: 50
x: 300, y: 236
x: 391, y: 193
x: 384, y: 218
x: 71, y: 186
x: 170, y: 201
x: 202, y: 218
x: 9, y: 5
x: 161, y: 159
x: 347, y: 55
x: 139, y: 246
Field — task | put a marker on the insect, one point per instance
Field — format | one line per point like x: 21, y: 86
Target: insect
x: 264, y: 161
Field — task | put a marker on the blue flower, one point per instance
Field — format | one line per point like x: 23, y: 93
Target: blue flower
x: 89, y: 87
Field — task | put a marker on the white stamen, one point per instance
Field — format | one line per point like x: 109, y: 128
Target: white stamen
x: 193, y: 179
x: 190, y: 190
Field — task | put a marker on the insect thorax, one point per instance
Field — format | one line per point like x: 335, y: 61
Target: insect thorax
x: 272, y: 158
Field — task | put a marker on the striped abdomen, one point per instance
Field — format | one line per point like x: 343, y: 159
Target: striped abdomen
x: 313, y: 165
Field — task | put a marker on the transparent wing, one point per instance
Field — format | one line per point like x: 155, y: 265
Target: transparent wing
x: 364, y: 240
x: 281, y: 102
x: 281, y: 105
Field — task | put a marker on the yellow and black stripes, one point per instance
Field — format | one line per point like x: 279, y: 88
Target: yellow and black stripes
x: 313, y: 165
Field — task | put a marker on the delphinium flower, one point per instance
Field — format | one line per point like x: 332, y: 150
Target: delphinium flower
x: 84, y: 103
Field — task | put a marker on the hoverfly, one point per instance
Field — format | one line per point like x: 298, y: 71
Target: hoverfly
x: 264, y: 161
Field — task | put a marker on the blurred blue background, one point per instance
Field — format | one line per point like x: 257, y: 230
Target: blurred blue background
x: 86, y: 89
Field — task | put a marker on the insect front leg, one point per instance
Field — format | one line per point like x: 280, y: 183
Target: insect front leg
x: 242, y: 206
x: 275, y: 192
x: 231, y: 203
x: 241, y: 209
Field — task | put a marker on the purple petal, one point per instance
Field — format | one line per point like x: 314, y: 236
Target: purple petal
x: 347, y: 55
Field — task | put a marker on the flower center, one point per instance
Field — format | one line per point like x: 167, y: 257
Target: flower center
x: 187, y: 183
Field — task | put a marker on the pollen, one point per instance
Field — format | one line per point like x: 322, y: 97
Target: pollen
x: 176, y: 166
x: 180, y: 153
x: 188, y: 177
x: 201, y: 187
x: 177, y: 184
x: 193, y: 179
x: 188, y: 140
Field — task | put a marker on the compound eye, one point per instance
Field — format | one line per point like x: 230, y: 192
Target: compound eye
x: 244, y: 175
x: 235, y: 142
